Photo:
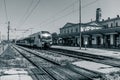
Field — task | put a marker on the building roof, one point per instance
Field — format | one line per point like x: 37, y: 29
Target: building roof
x: 110, y: 19
x: 102, y: 31
x: 92, y: 23
x: 96, y: 31
x: 69, y: 25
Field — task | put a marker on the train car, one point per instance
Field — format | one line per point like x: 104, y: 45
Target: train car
x: 23, y: 41
x: 42, y: 39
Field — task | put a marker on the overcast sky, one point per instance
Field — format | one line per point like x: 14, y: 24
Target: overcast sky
x: 50, y: 15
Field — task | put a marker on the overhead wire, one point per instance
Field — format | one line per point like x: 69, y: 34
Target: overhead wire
x: 28, y: 9
x: 29, y: 14
x: 59, y: 12
x: 84, y: 6
x: 63, y: 16
x: 90, y: 3
x: 6, y: 10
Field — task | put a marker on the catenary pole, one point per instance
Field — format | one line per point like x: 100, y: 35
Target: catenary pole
x: 8, y: 31
x: 80, y: 22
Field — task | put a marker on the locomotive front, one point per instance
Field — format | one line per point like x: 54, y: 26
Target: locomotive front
x: 46, y: 39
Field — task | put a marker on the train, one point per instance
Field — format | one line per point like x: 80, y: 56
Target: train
x: 42, y: 39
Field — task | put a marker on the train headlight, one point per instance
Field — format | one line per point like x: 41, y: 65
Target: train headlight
x: 46, y: 35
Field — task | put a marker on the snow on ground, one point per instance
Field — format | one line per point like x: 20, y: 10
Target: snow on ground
x: 103, y: 52
x: 15, y: 74
x: 97, y: 67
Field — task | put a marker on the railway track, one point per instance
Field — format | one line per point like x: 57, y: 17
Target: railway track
x: 40, y: 75
x: 86, y: 72
x: 56, y: 71
x: 85, y: 56
x: 81, y: 70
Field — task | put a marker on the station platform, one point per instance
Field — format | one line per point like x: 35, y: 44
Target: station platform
x: 14, y: 74
x: 114, y: 53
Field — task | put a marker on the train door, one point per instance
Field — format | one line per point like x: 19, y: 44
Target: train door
x: 32, y: 41
x: 39, y: 40
x: 36, y: 41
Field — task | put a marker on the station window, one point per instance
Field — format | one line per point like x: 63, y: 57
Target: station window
x: 71, y: 30
x: 64, y: 32
x: 61, y: 31
x: 76, y: 29
x: 67, y: 31
x: 107, y: 25
x: 116, y: 24
x: 111, y: 24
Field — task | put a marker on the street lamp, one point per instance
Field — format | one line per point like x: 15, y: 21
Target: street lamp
x: 80, y: 22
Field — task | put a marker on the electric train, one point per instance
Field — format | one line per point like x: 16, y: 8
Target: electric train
x: 41, y: 39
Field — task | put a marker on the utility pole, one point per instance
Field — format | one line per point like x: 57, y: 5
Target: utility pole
x: 8, y: 30
x: 0, y: 38
x: 80, y: 22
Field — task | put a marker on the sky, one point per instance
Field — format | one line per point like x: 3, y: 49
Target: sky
x: 31, y: 16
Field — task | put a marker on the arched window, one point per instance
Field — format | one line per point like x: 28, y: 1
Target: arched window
x: 76, y: 29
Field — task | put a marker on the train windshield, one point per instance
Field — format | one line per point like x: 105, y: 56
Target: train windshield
x: 46, y: 37
x: 45, y: 32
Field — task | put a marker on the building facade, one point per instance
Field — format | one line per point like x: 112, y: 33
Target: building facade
x: 98, y: 33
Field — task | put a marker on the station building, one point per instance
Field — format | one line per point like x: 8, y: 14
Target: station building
x: 98, y: 33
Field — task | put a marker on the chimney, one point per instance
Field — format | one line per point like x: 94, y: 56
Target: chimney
x: 98, y: 14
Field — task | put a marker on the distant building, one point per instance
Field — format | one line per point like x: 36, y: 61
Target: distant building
x: 98, y: 33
